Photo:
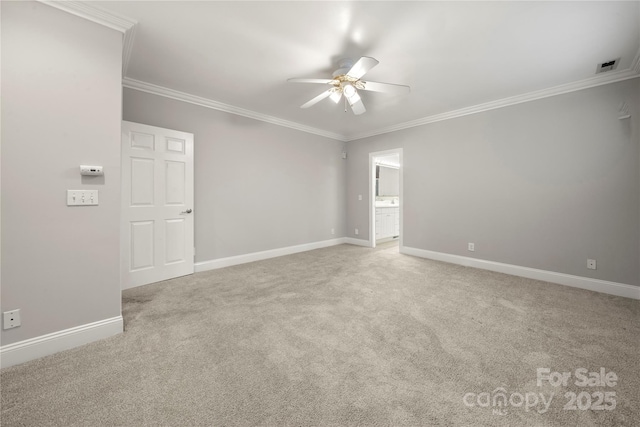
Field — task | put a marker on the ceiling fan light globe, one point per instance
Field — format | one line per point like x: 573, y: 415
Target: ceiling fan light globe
x: 349, y: 90
x: 335, y: 96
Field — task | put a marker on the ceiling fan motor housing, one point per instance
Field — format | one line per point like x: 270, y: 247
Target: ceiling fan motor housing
x: 340, y: 72
x: 345, y: 65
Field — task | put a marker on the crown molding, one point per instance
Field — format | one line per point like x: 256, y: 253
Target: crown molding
x: 215, y: 105
x: 127, y: 48
x: 599, y: 80
x: 93, y: 13
x: 105, y: 18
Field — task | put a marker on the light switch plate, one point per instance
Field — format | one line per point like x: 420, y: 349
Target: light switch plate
x: 82, y: 197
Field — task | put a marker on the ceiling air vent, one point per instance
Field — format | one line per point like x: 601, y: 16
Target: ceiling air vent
x: 608, y: 66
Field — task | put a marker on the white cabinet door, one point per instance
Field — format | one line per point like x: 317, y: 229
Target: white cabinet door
x: 387, y: 222
x: 384, y: 223
x: 396, y: 222
x: 157, y: 226
x: 378, y: 223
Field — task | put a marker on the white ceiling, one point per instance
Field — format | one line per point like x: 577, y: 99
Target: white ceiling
x: 454, y: 55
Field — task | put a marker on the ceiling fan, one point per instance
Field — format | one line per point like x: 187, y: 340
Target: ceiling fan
x: 346, y: 81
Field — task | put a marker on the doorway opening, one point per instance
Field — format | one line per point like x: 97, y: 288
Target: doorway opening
x: 385, y: 186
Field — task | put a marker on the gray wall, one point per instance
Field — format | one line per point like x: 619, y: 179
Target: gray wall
x: 544, y: 184
x: 61, y: 107
x: 258, y: 186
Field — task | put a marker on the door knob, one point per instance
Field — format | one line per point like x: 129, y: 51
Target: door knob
x: 188, y: 211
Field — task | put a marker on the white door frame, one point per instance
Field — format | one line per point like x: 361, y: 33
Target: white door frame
x: 372, y: 193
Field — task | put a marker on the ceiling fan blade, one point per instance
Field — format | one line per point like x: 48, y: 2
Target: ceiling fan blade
x: 325, y: 81
x: 317, y: 99
x: 358, y: 107
x: 386, y: 88
x: 356, y: 103
x: 361, y: 67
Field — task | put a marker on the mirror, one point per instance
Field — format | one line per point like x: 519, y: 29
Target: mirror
x: 387, y: 181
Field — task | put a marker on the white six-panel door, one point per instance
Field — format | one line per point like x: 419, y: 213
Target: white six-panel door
x: 157, y: 230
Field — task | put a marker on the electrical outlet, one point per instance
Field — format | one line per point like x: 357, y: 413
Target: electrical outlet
x: 11, y: 319
x: 471, y: 247
x: 333, y: 231
x: 357, y: 231
x: 591, y: 264
x: 359, y: 196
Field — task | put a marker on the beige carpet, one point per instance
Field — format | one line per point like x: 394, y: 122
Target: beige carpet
x: 338, y: 337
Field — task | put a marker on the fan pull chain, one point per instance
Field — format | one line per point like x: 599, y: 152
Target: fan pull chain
x: 345, y: 104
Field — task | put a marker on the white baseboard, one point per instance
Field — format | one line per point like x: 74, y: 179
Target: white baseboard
x: 23, y: 351
x: 603, y: 286
x: 357, y: 242
x: 259, y: 256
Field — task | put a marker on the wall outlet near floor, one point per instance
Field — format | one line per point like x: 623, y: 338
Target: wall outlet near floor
x: 471, y: 247
x: 591, y: 264
x: 333, y: 231
x: 11, y: 319
x: 357, y: 231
